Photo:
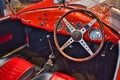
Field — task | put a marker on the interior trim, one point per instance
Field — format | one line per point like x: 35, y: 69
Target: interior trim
x: 5, y: 38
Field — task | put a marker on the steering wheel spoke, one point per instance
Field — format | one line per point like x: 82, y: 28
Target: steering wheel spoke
x: 71, y: 28
x: 92, y: 22
x: 69, y: 41
x: 87, y: 26
x: 83, y: 30
x: 85, y: 46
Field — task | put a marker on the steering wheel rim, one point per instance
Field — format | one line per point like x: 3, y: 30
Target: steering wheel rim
x: 102, y: 33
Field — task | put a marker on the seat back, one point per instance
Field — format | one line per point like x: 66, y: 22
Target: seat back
x: 16, y: 69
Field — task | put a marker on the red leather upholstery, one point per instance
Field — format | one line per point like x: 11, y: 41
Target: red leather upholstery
x: 14, y: 68
x: 61, y: 76
x: 5, y: 38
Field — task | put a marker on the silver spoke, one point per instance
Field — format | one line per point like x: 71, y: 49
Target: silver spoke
x: 83, y: 30
x: 92, y: 22
x: 71, y: 28
x: 86, y: 27
x: 70, y: 41
x: 83, y: 43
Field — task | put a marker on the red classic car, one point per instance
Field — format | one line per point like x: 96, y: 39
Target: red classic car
x: 60, y: 40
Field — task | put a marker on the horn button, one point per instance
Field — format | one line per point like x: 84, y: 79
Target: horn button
x: 76, y: 35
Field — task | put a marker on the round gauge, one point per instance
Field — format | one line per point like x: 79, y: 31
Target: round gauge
x: 60, y: 26
x: 78, y: 25
x: 94, y: 34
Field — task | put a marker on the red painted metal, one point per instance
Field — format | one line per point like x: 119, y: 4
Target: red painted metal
x: 45, y: 14
x: 14, y: 69
x: 46, y: 19
x: 61, y: 76
x: 118, y: 75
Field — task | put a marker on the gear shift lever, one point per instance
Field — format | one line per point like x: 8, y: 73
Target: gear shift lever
x: 49, y: 64
x: 51, y: 55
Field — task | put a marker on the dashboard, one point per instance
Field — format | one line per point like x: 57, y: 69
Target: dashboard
x: 47, y: 18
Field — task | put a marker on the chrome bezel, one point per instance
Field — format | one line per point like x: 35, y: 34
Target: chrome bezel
x: 80, y: 24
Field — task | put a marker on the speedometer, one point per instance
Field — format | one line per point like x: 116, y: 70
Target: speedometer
x: 94, y: 34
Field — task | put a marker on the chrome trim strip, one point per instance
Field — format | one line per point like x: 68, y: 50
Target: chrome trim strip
x: 4, y: 18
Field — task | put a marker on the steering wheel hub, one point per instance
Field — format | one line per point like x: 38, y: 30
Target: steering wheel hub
x: 76, y: 35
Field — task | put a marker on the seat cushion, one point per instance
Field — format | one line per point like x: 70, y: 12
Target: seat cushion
x: 14, y: 69
x: 54, y: 76
x: 61, y: 76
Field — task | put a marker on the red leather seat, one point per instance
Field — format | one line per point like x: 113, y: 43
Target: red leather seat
x: 61, y: 76
x: 53, y: 76
x: 16, y: 69
x: 20, y: 69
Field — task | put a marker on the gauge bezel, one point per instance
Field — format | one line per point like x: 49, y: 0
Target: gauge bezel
x: 96, y: 29
x: 80, y: 24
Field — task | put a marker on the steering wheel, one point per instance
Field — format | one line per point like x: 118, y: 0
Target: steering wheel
x: 77, y: 35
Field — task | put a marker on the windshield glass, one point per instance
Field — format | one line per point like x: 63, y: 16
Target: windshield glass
x: 87, y: 3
